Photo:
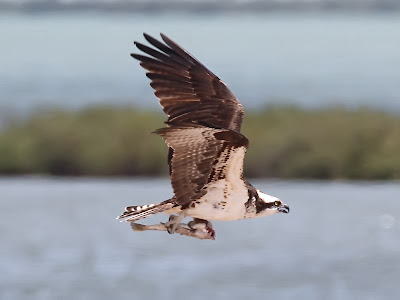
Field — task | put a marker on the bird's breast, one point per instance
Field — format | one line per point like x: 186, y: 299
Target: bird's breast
x: 223, y: 201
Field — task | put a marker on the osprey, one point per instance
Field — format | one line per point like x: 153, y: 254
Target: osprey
x: 206, y: 148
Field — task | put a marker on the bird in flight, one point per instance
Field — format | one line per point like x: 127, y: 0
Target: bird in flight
x: 206, y: 149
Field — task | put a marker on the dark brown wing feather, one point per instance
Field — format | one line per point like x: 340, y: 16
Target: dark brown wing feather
x: 204, y: 117
x: 196, y: 151
x: 189, y: 93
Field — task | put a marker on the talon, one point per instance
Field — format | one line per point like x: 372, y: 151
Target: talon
x: 172, y: 228
x: 173, y: 223
x: 172, y: 218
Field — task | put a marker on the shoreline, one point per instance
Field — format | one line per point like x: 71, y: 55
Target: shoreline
x: 285, y: 143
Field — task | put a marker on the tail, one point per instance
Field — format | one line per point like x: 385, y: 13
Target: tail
x: 135, y: 213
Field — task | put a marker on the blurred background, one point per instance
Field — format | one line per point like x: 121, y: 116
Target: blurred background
x: 319, y: 81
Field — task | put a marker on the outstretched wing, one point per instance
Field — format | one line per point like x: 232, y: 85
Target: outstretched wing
x: 202, y: 154
x: 189, y: 93
x: 204, y: 119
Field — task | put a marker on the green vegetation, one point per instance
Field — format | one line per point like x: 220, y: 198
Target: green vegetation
x: 284, y: 142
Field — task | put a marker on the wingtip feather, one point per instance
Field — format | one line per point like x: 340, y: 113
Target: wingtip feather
x: 147, y: 36
x: 137, y: 56
x: 166, y: 39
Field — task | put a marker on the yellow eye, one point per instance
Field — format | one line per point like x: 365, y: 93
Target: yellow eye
x: 277, y: 203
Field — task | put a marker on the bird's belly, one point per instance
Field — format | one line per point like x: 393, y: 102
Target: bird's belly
x: 224, y: 201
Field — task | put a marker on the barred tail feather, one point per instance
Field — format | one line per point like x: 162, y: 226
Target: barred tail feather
x: 137, y: 212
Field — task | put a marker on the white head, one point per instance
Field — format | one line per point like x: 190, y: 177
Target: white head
x: 267, y: 205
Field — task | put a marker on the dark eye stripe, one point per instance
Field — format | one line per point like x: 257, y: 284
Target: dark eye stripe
x: 261, y: 205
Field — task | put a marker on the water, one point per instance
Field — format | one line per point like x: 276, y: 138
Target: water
x: 59, y: 240
x: 311, y: 60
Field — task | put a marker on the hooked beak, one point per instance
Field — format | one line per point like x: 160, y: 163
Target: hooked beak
x: 284, y: 208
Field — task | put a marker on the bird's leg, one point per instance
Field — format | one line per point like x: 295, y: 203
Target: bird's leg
x: 202, y: 227
x: 183, y: 229
x: 174, y: 222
